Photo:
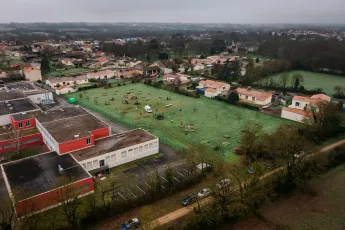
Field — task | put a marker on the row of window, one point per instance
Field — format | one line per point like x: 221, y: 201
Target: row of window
x: 20, y: 124
x: 95, y: 164
x: 253, y: 98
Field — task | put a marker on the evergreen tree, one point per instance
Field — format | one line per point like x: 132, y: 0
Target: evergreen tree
x: 45, y: 68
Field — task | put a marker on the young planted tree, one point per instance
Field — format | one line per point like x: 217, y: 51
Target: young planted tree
x: 297, y: 80
x: 338, y: 91
x: 16, y: 140
x: 284, y: 79
x: 169, y: 176
x: 68, y: 197
x: 7, y: 214
x: 324, y: 120
x: 251, y: 141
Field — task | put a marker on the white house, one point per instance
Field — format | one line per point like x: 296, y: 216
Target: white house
x: 301, y: 106
x: 172, y: 78
x: 55, y: 82
x: 67, y: 62
x: 253, y: 96
x: 213, y: 88
x: 64, y: 90
x: 198, y: 67
x: 32, y: 74
x: 101, y: 74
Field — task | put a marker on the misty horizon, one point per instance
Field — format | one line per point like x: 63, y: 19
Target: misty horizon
x: 177, y: 11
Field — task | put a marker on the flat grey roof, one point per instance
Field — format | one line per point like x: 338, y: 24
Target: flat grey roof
x: 113, y: 143
x: 10, y: 95
x: 21, y: 85
x: 18, y: 106
x: 35, y: 175
x: 51, y: 115
x: 64, y: 130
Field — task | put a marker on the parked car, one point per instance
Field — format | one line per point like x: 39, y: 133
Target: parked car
x: 133, y: 223
x: 204, y: 192
x: 189, y: 199
x: 223, y: 183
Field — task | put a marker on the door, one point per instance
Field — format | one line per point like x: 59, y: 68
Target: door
x: 101, y: 163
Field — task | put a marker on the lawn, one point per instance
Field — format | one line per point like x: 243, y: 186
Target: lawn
x: 319, y: 80
x: 323, y: 209
x: 215, y: 123
x: 69, y: 71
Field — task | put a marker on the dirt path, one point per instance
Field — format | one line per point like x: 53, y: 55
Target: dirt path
x: 186, y: 210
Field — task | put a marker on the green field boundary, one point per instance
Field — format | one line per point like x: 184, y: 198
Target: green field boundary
x: 162, y: 139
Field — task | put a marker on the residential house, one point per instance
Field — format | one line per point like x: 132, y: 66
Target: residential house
x: 101, y: 74
x: 129, y: 73
x: 173, y: 78
x: 198, y: 66
x: 64, y: 90
x: 67, y: 62
x: 253, y: 96
x: 212, y: 88
x: 301, y: 106
x: 102, y: 60
x: 32, y: 74
x: 56, y: 82
x: 165, y: 68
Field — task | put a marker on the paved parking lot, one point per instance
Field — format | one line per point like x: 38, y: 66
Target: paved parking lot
x: 141, y: 185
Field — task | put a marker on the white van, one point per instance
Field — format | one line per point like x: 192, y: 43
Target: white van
x: 148, y: 109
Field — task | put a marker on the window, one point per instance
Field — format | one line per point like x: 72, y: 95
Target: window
x: 84, y: 166
x: 113, y: 157
x: 130, y: 151
x: 88, y: 141
x: 95, y: 163
x: 28, y: 123
x: 253, y: 98
x: 246, y: 97
x: 20, y: 125
x: 145, y: 147
x: 140, y: 149
x: 124, y: 154
x: 150, y: 146
x: 84, y: 187
x: 32, y: 140
x: 89, y: 165
x: 155, y: 144
x: 135, y: 150
x: 8, y: 146
x: 107, y: 159
x: 297, y: 104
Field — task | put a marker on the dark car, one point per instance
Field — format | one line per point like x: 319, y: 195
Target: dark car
x: 189, y: 199
x: 133, y: 223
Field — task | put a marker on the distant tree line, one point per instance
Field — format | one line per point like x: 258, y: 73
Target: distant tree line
x: 314, y: 55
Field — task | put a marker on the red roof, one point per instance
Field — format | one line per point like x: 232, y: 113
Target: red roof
x: 211, y: 90
x: 298, y: 111
x: 213, y: 84
x: 261, y: 96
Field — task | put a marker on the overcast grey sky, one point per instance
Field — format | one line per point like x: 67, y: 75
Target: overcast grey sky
x: 229, y: 11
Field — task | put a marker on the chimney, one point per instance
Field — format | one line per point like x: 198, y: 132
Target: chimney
x: 249, y: 88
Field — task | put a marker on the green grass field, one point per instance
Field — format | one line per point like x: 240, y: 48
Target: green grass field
x: 318, y: 80
x: 217, y: 123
